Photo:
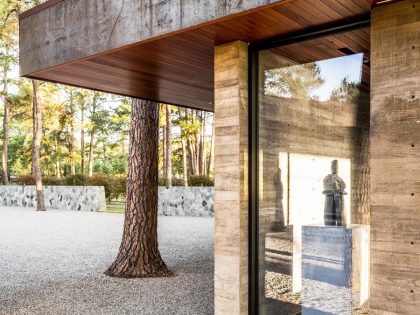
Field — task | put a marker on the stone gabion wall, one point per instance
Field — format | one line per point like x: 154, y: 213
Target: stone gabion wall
x: 175, y: 201
x: 186, y: 201
x: 78, y: 198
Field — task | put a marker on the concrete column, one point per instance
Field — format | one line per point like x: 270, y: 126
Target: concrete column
x: 231, y: 180
x: 395, y: 158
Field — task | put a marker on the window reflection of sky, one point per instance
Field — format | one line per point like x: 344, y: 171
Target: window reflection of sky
x: 333, y: 71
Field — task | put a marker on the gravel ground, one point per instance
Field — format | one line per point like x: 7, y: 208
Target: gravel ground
x: 53, y: 263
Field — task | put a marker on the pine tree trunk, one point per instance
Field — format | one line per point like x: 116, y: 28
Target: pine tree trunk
x: 92, y: 138
x: 5, y: 142
x: 37, y: 136
x: 58, y: 169
x: 82, y: 141
x: 202, y: 160
x: 5, y: 125
x: 168, y: 160
x: 210, y: 168
x: 71, y: 145
x: 163, y: 151
x: 184, y: 162
x: 139, y: 255
x: 196, y: 145
x: 57, y: 160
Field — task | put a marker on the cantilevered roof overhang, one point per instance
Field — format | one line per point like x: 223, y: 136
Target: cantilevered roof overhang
x: 163, y: 50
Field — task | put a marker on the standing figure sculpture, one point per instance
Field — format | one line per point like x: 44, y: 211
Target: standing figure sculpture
x: 334, y: 188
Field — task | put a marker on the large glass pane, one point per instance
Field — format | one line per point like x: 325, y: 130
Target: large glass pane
x: 314, y: 178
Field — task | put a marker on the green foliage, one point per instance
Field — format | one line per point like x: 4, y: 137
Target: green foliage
x: 120, y: 187
x: 200, y: 180
x: 347, y: 93
x: 25, y: 180
x: 75, y: 180
x: 52, y: 181
x: 175, y: 181
x: 297, y: 81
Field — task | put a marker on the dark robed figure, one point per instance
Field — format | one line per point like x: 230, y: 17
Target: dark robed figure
x: 334, y: 188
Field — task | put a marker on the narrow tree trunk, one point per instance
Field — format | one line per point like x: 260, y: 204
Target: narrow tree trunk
x: 203, y: 144
x: 190, y: 148
x: 5, y: 143
x: 211, y: 158
x: 184, y: 162
x: 71, y: 145
x: 37, y: 136
x: 5, y: 125
x: 82, y: 141
x: 168, y: 134
x: 58, y: 169
x: 196, y: 145
x: 92, y: 138
x: 163, y: 151
x: 139, y: 255
x: 57, y: 160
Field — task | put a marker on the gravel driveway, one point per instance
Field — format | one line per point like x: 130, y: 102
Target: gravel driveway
x: 53, y: 263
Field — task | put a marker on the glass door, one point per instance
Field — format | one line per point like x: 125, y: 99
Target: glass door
x: 313, y: 176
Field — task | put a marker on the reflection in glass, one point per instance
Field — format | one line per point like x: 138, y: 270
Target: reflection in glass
x: 313, y: 169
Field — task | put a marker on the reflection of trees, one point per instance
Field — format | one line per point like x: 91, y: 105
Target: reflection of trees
x: 294, y: 82
x: 347, y: 93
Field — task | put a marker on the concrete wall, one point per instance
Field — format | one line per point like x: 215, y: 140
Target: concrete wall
x: 186, y: 201
x: 231, y: 181
x: 395, y: 159
x: 74, y: 29
x: 79, y: 198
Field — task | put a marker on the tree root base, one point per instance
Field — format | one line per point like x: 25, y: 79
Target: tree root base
x: 138, y: 273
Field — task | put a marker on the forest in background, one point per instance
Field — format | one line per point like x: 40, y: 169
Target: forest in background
x: 85, y: 133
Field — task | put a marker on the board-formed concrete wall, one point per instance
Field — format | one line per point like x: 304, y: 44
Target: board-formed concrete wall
x: 74, y: 29
x: 395, y: 159
x: 231, y: 181
x: 186, y: 201
x: 78, y: 198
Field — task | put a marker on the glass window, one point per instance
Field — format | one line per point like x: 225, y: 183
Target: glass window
x: 314, y: 178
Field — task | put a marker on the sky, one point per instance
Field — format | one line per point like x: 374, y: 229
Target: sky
x: 333, y: 71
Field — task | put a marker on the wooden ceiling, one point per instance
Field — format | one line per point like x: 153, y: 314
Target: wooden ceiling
x: 357, y: 41
x: 178, y: 68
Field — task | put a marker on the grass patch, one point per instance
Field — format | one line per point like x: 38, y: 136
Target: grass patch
x: 115, y: 206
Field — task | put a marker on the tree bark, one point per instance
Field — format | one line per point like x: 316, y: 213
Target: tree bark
x: 92, y: 138
x: 71, y: 145
x: 37, y: 136
x: 196, y: 145
x: 5, y: 143
x: 184, y: 162
x: 164, y: 152
x: 168, y: 159
x: 5, y: 125
x: 82, y: 141
x: 210, y: 168
x: 57, y: 160
x: 92, y: 134
x: 192, y: 146
x: 202, y: 155
x: 139, y: 255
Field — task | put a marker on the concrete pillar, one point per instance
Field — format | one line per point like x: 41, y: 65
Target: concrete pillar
x: 395, y: 158
x: 231, y: 180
